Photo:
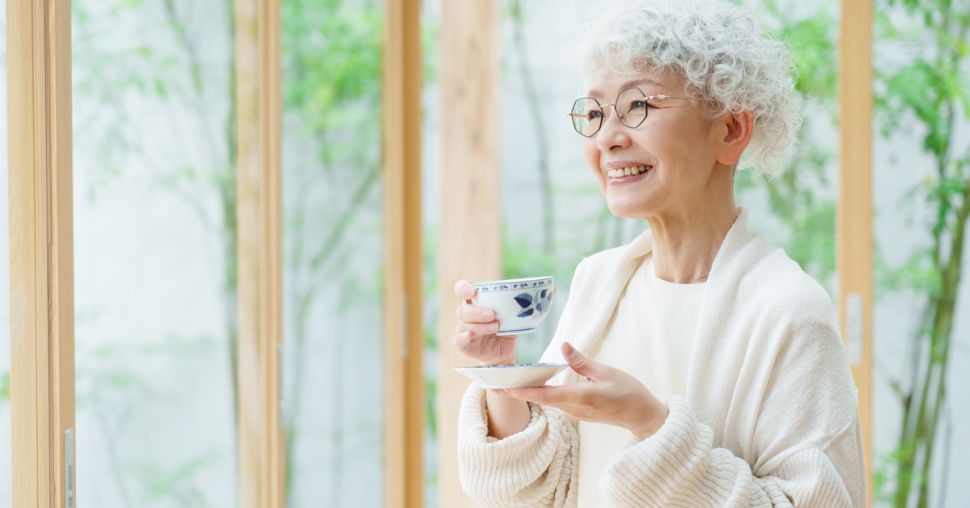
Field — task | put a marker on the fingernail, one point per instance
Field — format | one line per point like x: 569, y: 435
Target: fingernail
x: 488, y: 314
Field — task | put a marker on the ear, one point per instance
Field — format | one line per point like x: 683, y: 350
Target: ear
x: 733, y: 131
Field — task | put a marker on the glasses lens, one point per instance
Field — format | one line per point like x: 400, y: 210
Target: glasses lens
x: 632, y: 106
x: 587, y: 116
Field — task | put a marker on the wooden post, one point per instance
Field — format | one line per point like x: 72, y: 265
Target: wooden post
x: 260, y: 272
x: 855, y: 243
x: 404, y: 344
x: 470, y: 231
x: 41, y: 253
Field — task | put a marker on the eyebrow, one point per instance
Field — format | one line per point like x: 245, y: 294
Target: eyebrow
x: 627, y: 85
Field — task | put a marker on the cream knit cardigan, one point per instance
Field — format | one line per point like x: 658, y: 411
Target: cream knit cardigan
x: 769, y: 417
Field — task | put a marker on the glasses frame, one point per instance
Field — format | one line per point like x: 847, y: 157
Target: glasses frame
x: 619, y: 116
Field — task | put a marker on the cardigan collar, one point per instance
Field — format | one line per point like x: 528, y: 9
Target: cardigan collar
x: 606, y: 302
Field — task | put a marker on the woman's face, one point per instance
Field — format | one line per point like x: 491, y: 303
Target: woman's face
x: 676, y: 143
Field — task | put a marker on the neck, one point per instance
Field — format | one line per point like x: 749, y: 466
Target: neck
x: 686, y: 242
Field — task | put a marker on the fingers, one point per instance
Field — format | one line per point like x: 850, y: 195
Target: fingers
x: 580, y: 362
x: 479, y: 329
x: 463, y: 341
x: 464, y: 289
x: 469, y: 313
x: 485, y: 348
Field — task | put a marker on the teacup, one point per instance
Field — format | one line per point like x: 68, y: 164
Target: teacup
x: 519, y: 304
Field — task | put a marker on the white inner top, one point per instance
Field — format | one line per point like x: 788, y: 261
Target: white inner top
x: 650, y: 337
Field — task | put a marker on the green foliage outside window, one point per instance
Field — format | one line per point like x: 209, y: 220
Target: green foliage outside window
x: 928, y: 94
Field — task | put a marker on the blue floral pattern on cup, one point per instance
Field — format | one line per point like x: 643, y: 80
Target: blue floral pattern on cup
x: 532, y: 302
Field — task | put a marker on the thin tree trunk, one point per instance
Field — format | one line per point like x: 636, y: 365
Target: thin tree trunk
x: 541, y: 135
x: 111, y: 450
x: 942, y: 339
x: 304, y: 300
x: 226, y: 195
x: 919, y: 433
x: 227, y: 199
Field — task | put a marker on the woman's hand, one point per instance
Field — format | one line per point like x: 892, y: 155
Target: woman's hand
x: 475, y: 334
x: 608, y: 395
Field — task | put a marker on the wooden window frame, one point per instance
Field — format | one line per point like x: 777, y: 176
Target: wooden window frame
x: 41, y: 252
x: 259, y: 208
x: 470, y: 200
x: 854, y: 236
x: 404, y: 397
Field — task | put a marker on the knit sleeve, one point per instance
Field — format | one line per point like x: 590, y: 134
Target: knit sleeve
x: 679, y: 466
x: 532, y: 468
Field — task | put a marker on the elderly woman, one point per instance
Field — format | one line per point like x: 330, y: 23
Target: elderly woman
x: 706, y: 366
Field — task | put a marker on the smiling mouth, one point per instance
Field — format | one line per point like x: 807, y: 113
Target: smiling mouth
x: 628, y: 171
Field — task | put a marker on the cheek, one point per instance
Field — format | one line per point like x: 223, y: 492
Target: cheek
x: 681, y: 145
x: 699, y: 149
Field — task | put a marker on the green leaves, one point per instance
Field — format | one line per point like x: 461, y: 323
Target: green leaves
x: 121, y: 6
x: 812, y: 244
x: 5, y: 386
x: 933, y: 85
x: 513, y: 10
x: 520, y: 259
x: 812, y: 41
x: 917, y: 274
x: 333, y: 57
x: 920, y: 89
x: 923, y: 91
x: 177, y: 483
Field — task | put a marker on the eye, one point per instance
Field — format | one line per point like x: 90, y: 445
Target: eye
x: 594, y: 114
x: 639, y: 104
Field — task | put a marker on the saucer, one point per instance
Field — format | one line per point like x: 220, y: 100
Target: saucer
x: 511, y: 376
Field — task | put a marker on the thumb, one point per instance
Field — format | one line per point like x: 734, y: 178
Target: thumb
x: 579, y: 362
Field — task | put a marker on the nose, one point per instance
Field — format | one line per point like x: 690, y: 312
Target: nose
x: 612, y: 134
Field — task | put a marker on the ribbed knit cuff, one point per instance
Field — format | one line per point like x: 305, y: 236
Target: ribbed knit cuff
x: 491, y: 468
x: 653, y: 470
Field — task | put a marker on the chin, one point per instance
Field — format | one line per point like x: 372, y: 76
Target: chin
x: 628, y: 210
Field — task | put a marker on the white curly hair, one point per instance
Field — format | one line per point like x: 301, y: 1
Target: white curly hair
x: 720, y: 52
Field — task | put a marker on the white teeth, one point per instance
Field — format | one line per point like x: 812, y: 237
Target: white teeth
x: 633, y: 170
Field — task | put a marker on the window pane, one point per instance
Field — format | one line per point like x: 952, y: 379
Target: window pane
x: 155, y: 284
x: 333, y: 238
x: 5, y: 457
x: 921, y: 186
x: 430, y: 217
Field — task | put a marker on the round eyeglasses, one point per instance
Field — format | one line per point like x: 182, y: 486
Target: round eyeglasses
x: 631, y: 109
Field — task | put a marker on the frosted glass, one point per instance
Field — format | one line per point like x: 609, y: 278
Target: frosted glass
x: 907, y: 178
x: 154, y: 258
x: 334, y: 254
